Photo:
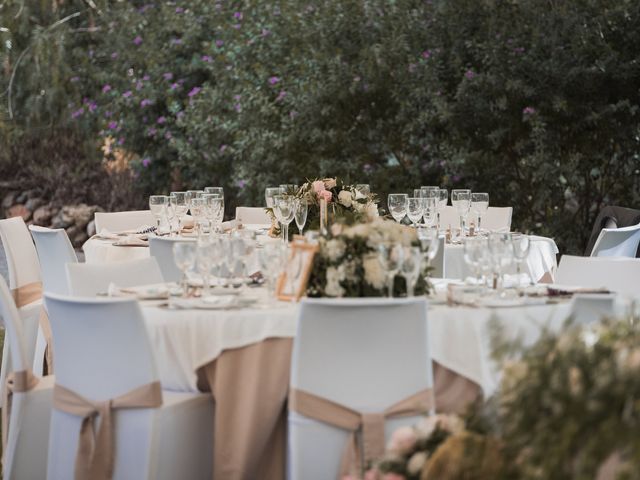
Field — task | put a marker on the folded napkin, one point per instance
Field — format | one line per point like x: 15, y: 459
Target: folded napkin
x: 143, y: 292
x: 132, y: 241
x: 142, y: 231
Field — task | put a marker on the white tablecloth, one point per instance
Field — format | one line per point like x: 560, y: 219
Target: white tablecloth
x: 185, y: 340
x: 541, y: 260
x: 104, y: 251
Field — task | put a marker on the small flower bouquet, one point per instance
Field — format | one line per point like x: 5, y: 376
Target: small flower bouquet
x: 345, y: 203
x: 347, y: 263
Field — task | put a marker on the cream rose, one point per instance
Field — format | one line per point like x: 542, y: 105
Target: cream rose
x: 345, y: 198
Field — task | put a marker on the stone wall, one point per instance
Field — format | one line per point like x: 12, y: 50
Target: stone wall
x: 77, y: 220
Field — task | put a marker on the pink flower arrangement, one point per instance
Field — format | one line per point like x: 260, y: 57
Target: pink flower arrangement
x: 320, y: 188
x: 402, y: 440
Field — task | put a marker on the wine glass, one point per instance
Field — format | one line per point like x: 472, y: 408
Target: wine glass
x: 411, y: 267
x: 429, y: 192
x: 284, y: 209
x: 475, y: 249
x: 443, y: 198
x: 191, y: 194
x: 205, y: 255
x: 170, y: 212
x: 521, y: 247
x: 390, y: 257
x: 271, y: 192
x: 184, y: 256
x: 479, y: 205
x: 415, y: 210
x: 398, y: 203
x: 272, y: 258
x: 417, y: 193
x: 461, y: 200
x: 501, y: 250
x: 214, y: 209
x: 429, y: 241
x: 430, y: 210
x: 197, y: 207
x: 158, y: 205
x: 363, y: 188
x: 181, y: 205
x: 302, y: 210
x: 218, y: 190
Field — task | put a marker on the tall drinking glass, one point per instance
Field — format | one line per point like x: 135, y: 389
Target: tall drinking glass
x: 181, y: 205
x: 398, y: 203
x: 158, y: 205
x: 284, y: 209
x: 415, y: 210
x: 411, y: 266
x: 205, y: 256
x: 271, y: 192
x: 443, y: 198
x: 461, y: 200
x: 429, y: 242
x: 479, y: 205
x: 390, y: 257
x: 430, y: 210
x: 214, y: 209
x: 521, y: 247
x: 302, y: 210
x: 184, y: 256
x: 501, y: 250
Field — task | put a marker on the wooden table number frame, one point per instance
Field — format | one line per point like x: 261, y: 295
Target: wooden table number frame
x: 292, y: 283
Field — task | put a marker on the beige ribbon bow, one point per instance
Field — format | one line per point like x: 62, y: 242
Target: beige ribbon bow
x: 30, y: 293
x: 372, y: 424
x: 17, y: 382
x: 96, y: 453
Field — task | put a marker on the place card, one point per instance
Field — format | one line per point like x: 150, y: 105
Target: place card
x: 293, y: 281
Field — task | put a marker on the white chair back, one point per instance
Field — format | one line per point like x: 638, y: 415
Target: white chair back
x: 495, y: 218
x: 121, y: 221
x: 617, y: 242
x: 592, y: 308
x: 54, y: 251
x: 29, y: 421
x: 354, y: 352
x: 102, y: 351
x: 88, y: 280
x: 161, y: 248
x: 252, y: 215
x: 22, y: 259
x: 621, y: 275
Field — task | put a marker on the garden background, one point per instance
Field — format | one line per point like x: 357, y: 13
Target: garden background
x: 104, y: 102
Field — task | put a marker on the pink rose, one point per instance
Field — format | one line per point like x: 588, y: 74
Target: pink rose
x: 326, y: 194
x: 402, y: 440
x: 318, y: 186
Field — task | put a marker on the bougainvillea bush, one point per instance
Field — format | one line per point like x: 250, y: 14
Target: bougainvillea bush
x: 534, y: 102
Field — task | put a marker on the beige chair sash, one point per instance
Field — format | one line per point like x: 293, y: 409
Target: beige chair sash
x: 17, y: 382
x: 372, y: 424
x: 30, y: 293
x: 96, y: 453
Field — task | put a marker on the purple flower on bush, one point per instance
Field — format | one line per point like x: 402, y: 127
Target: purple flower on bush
x: 273, y: 80
x: 146, y: 102
x: 223, y: 147
x: 206, y: 58
x: 127, y: 94
x: 237, y: 26
x: 219, y: 43
x: 114, y: 55
x: 93, y: 106
x: 529, y: 111
x: 176, y: 41
x: 265, y: 32
x: 121, y: 141
x: 194, y: 91
x: 237, y: 98
x: 167, y: 76
x: 238, y: 15
x: 281, y: 96
x: 241, y: 183
x: 426, y: 54
x: 151, y: 132
x: 179, y: 9
x: 108, y: 113
x: 77, y: 113
x: 174, y: 86
x: 293, y: 114
x: 168, y: 135
x: 179, y: 115
x: 146, y: 78
x: 367, y: 168
x: 237, y: 107
x: 106, y: 88
x: 412, y: 67
x: 137, y: 40
x: 74, y: 79
x: 146, y: 161
x: 113, y: 125
x: 161, y: 120
x: 139, y: 85
x: 470, y: 74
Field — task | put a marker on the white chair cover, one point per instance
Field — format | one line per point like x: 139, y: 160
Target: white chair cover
x: 103, y: 351
x: 26, y: 453
x: 621, y: 275
x: 121, y: 221
x: 586, y: 308
x: 494, y: 219
x: 355, y: 352
x: 54, y: 251
x: 161, y: 248
x: 24, y: 270
x: 617, y: 242
x: 88, y: 280
x: 252, y: 215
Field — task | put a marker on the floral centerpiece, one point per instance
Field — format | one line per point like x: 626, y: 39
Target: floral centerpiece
x: 345, y: 203
x: 348, y: 265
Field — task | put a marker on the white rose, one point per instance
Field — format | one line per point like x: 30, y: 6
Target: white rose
x: 373, y: 272
x: 334, y: 277
x: 345, y: 198
x: 416, y: 462
x: 334, y: 249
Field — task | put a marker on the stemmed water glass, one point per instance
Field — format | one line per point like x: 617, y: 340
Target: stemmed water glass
x: 479, y: 205
x: 205, y: 256
x: 170, y: 212
x: 302, y: 210
x: 390, y: 257
x: 184, y: 256
x: 180, y: 205
x: 501, y: 251
x: 430, y: 210
x: 271, y: 192
x: 461, y: 200
x: 411, y: 267
x: 443, y: 198
x: 521, y: 247
x: 214, y: 209
x: 475, y: 248
x: 415, y: 210
x: 284, y: 209
x: 158, y: 205
x: 197, y: 207
x: 398, y: 203
x: 429, y: 239
x: 218, y: 190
